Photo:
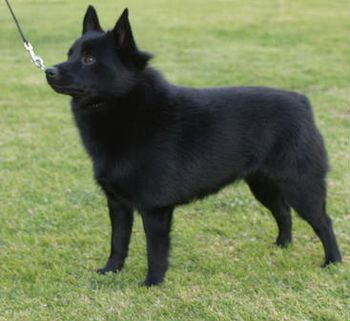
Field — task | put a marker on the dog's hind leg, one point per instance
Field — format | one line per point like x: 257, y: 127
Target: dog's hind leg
x: 268, y: 194
x: 308, y: 199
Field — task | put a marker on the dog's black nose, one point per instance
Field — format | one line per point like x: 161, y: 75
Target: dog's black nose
x: 52, y: 72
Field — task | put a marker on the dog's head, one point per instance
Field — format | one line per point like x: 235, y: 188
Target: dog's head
x: 100, y: 64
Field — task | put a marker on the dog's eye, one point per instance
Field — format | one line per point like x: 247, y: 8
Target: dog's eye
x: 88, y: 60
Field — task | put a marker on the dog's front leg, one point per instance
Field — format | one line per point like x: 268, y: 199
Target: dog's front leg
x: 157, y: 225
x: 121, y: 217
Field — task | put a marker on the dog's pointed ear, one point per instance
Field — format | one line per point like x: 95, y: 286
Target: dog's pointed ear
x: 91, y: 22
x: 122, y: 32
x: 124, y: 38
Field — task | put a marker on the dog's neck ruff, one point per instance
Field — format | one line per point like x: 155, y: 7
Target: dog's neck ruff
x: 88, y: 105
x: 95, y: 105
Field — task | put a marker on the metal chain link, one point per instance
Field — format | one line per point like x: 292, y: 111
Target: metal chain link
x: 37, y: 60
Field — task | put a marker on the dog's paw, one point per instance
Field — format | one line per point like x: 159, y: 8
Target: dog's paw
x: 105, y: 270
x: 148, y: 282
x: 111, y: 266
x: 283, y: 241
x: 332, y: 261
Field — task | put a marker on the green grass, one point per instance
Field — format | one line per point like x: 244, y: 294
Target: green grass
x: 54, y: 228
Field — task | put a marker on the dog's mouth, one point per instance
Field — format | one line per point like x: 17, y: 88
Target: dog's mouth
x: 71, y: 91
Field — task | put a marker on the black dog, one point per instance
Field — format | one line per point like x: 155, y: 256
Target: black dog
x: 155, y: 145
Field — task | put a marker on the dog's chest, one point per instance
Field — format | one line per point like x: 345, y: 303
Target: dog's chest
x: 116, y: 177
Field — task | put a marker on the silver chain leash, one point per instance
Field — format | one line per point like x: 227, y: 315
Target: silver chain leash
x: 36, y: 60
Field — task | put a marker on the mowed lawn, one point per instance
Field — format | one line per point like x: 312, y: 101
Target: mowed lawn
x: 54, y: 227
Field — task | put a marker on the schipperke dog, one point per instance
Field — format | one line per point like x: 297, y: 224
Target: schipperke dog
x: 155, y: 145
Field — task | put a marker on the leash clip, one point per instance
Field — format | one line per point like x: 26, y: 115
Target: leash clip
x: 37, y: 60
